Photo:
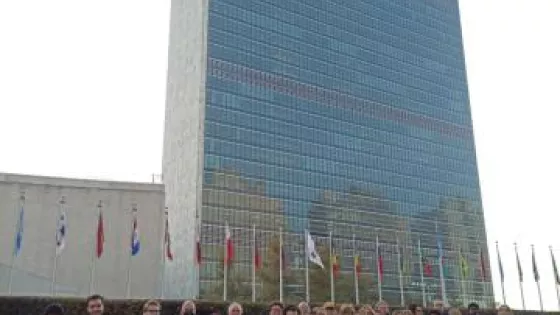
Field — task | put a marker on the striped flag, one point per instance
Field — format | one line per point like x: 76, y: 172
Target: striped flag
x: 228, y: 259
x: 379, y: 262
x: 135, y: 237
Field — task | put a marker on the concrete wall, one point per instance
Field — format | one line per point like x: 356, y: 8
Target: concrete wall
x: 183, y: 159
x: 33, y: 268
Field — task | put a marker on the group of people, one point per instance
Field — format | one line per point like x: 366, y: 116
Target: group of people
x: 95, y: 306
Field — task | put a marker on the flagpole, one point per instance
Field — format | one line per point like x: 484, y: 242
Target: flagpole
x: 254, y: 270
x: 520, y: 280
x: 331, y: 265
x: 379, y: 286
x: 401, y: 282
x: 307, y: 294
x: 56, y: 250
x: 356, y: 280
x: 554, y: 267
x: 281, y: 271
x: 16, y: 251
x: 501, y: 275
x: 441, y: 274
x: 536, y: 275
x: 422, y: 284
x: 225, y: 262
x: 93, y: 252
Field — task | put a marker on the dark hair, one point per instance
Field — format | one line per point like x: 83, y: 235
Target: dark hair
x: 94, y: 297
x: 435, y: 312
x: 271, y: 305
x: 412, y: 307
x: 291, y: 308
x: 54, y: 309
x: 473, y: 305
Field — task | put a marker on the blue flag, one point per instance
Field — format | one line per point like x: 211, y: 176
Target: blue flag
x: 135, y: 238
x: 19, y: 233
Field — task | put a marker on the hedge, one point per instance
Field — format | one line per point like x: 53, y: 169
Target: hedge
x: 74, y: 306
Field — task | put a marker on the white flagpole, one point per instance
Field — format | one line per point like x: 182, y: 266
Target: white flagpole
x: 537, y: 280
x: 307, y: 293
x: 254, y: 269
x: 331, y: 265
x: 379, y: 285
x: 520, y: 281
x: 56, y: 253
x: 225, y: 262
x: 13, y: 262
x: 281, y: 267
x: 422, y: 284
x: 401, y: 282
x: 554, y: 270
x: 356, y: 280
x: 94, y: 249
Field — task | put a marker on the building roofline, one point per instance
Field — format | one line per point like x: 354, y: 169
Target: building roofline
x: 25, y: 179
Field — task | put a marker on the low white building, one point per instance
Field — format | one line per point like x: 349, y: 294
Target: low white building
x: 76, y: 271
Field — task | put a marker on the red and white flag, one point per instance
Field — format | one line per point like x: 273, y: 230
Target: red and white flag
x: 100, y: 235
x: 228, y: 259
x: 167, y: 240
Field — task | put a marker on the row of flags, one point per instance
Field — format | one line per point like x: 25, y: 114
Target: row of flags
x: 535, y: 269
x: 62, y: 232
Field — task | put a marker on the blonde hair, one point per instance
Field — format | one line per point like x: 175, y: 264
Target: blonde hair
x: 454, y: 311
x: 233, y: 305
x: 188, y: 302
x: 150, y: 303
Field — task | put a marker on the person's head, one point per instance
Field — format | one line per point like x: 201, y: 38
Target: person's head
x: 54, y: 309
x: 275, y: 308
x: 318, y: 311
x: 291, y: 310
x: 330, y: 308
x: 346, y: 309
x: 504, y: 307
x: 416, y: 309
x: 94, y: 304
x: 215, y: 311
x: 396, y: 312
x: 438, y: 304
x: 188, y: 308
x: 473, y: 309
x: 151, y: 307
x: 235, y: 309
x: 382, y: 307
x: 304, y: 308
x: 366, y: 310
x: 407, y: 312
x: 454, y: 311
x: 434, y: 312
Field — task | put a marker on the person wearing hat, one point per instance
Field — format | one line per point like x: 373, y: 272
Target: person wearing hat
x: 54, y: 309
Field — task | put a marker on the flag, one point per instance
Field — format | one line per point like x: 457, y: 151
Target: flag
x: 284, y: 258
x: 519, y: 269
x: 427, y: 266
x: 19, y: 232
x: 464, y: 265
x: 482, y: 265
x: 100, y: 235
x: 357, y: 265
x: 535, y: 269
x: 335, y: 265
x: 61, y: 228
x: 198, y: 249
x: 167, y: 239
x: 228, y: 259
x: 379, y: 261
x: 311, y: 251
x: 554, y: 268
x: 257, y: 257
x: 135, y: 237
x: 500, y: 266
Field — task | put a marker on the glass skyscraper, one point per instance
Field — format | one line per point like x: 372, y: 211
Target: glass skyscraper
x: 337, y: 116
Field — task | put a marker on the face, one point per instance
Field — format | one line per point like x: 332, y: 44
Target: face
x: 276, y: 310
x: 473, y: 310
x: 95, y: 307
x: 383, y: 308
x: 438, y: 305
x: 152, y: 310
x: 418, y: 311
x: 291, y: 313
x: 235, y: 311
x: 330, y: 311
x: 188, y: 308
x: 304, y: 308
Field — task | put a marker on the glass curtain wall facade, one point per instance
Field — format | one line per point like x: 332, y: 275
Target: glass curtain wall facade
x: 350, y: 117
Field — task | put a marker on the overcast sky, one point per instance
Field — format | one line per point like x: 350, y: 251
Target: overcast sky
x: 82, y: 94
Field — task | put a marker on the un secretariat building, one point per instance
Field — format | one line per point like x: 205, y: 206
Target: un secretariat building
x: 350, y: 117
